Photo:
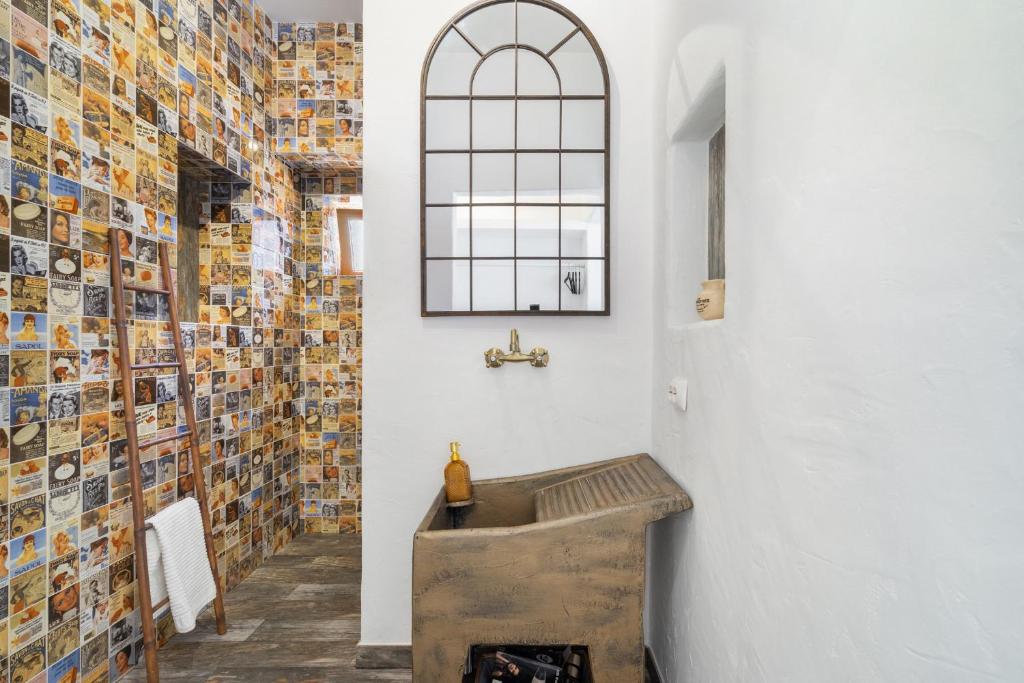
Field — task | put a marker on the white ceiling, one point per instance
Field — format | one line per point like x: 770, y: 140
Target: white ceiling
x: 313, y: 10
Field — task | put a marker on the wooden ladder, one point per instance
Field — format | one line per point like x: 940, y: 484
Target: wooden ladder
x: 131, y: 429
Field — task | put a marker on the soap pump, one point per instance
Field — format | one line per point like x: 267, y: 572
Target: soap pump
x: 457, y: 485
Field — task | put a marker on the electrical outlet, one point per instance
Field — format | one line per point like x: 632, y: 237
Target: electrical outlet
x: 677, y: 390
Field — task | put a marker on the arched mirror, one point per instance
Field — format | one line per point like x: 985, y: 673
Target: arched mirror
x: 515, y: 164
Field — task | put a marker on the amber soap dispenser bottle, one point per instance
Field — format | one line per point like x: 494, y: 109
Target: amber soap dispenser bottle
x: 457, y: 486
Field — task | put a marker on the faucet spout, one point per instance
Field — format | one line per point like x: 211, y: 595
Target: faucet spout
x: 495, y: 357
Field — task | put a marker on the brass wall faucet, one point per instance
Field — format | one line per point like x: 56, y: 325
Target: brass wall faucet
x: 495, y: 358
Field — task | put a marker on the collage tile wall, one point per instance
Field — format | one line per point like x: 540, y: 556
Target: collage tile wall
x: 318, y: 95
x: 95, y: 96
x: 332, y: 367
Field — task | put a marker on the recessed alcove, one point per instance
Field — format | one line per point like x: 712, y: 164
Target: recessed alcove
x: 696, y: 202
x: 195, y: 173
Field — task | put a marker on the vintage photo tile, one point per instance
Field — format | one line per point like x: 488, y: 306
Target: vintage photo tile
x: 251, y: 390
x: 66, y: 197
x: 28, y: 221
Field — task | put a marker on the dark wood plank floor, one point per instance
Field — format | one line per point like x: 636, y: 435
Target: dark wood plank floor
x: 295, y: 620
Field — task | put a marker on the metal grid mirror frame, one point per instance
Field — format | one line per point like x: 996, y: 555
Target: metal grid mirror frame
x: 578, y: 28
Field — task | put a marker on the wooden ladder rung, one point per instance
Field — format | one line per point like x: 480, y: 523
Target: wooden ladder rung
x: 163, y: 439
x: 155, y: 366
x: 150, y: 290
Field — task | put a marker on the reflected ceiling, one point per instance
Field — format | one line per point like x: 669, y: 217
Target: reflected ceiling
x: 313, y: 10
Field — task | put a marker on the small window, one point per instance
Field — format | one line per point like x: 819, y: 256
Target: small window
x: 350, y: 238
x: 342, y: 218
x: 716, y: 206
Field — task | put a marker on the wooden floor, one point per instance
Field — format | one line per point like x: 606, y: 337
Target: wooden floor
x: 295, y: 620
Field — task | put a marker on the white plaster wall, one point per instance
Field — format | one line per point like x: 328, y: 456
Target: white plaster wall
x: 424, y: 379
x: 853, y: 441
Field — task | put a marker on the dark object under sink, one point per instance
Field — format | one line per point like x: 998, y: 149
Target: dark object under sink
x: 527, y: 664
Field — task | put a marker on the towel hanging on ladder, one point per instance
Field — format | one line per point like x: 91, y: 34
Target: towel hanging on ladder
x: 186, y: 569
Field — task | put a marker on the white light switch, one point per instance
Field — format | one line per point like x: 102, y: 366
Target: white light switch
x: 677, y: 392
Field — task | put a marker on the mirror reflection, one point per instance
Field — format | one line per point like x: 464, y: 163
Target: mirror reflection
x: 515, y: 185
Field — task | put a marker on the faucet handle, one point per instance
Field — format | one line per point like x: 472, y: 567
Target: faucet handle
x: 494, y: 358
x: 539, y: 357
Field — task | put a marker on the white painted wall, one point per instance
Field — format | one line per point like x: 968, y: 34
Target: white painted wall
x: 425, y: 381
x: 853, y: 442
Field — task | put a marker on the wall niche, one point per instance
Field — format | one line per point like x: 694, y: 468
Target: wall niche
x: 697, y: 210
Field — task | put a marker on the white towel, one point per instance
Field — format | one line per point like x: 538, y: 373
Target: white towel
x: 187, y: 576
x: 157, y: 584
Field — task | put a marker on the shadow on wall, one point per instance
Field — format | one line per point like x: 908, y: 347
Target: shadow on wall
x: 669, y: 544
